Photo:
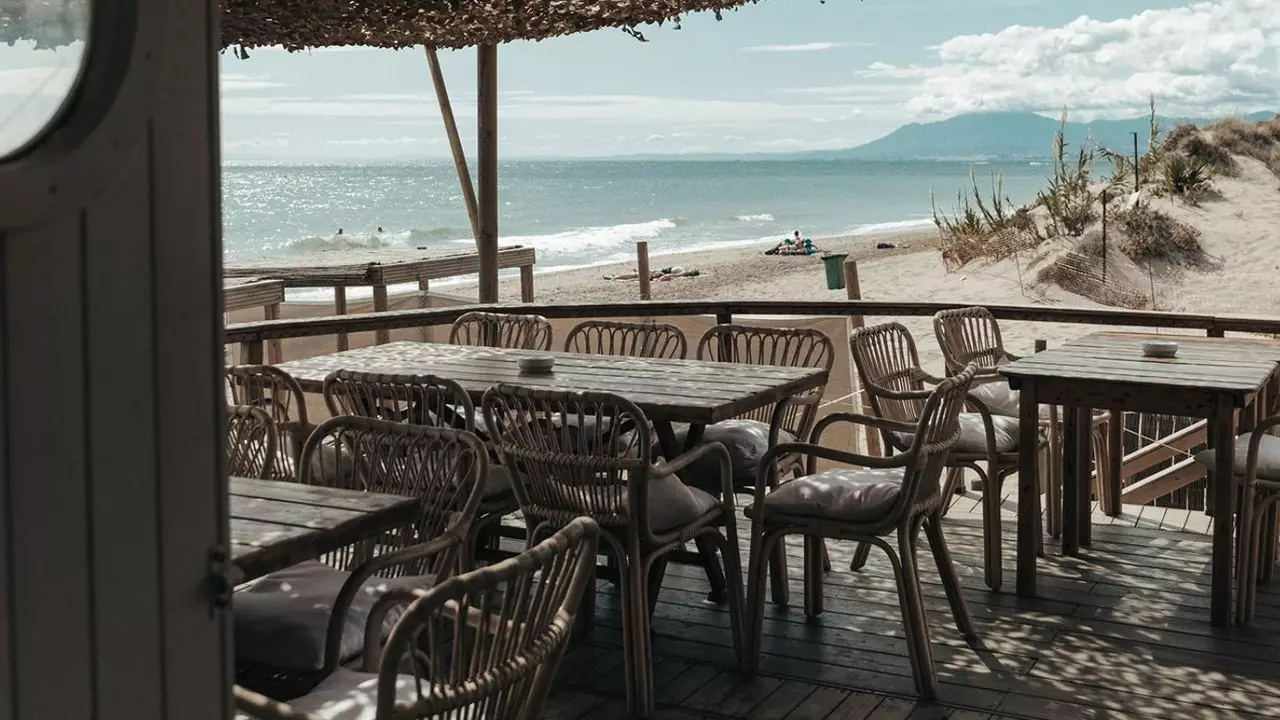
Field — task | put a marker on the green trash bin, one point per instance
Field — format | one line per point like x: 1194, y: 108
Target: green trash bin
x: 835, y: 270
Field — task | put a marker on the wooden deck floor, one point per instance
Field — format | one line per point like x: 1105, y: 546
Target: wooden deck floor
x: 1120, y: 632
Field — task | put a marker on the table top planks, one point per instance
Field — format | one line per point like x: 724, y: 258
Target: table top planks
x: 275, y: 524
x: 1230, y: 365
x: 677, y: 390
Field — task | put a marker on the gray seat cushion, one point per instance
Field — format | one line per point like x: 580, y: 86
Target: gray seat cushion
x: 1268, y: 456
x: 1001, y: 399
x: 746, y: 440
x: 497, y: 482
x: 973, y: 434
x: 854, y: 495
x: 281, y: 620
x: 672, y: 504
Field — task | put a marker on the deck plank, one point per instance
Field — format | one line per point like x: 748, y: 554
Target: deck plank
x: 1122, y: 631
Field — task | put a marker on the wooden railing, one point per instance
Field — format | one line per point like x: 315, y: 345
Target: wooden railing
x: 1147, y: 460
x: 252, y: 333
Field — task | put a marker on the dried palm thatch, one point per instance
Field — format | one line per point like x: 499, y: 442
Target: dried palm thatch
x: 303, y: 24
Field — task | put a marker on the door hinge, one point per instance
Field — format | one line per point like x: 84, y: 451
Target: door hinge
x: 220, y: 582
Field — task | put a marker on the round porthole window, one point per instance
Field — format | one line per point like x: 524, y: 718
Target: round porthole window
x: 42, y: 51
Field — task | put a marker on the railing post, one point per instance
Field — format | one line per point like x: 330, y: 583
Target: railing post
x: 642, y: 268
x: 381, y: 336
x: 526, y: 283
x: 424, y: 303
x: 861, y: 403
x: 274, y: 354
x: 340, y: 308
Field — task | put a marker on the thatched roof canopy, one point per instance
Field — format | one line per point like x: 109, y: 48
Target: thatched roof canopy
x: 303, y: 24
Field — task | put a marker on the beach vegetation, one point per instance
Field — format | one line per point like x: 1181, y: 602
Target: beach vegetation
x: 1148, y: 164
x: 1260, y: 141
x: 1186, y: 177
x: 1147, y: 233
x: 980, y: 225
x: 1190, y: 141
x: 1069, y: 201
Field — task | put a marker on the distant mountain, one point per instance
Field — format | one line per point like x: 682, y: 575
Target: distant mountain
x: 1001, y: 136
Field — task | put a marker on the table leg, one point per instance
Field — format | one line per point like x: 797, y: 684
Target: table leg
x: 1084, y: 488
x: 1028, y: 487
x: 1224, y: 512
x: 671, y: 449
x: 1115, y: 462
x: 1073, y: 437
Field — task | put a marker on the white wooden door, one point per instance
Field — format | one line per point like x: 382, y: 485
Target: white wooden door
x: 112, y: 495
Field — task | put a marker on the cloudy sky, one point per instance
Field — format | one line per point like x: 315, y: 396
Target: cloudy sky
x: 783, y: 75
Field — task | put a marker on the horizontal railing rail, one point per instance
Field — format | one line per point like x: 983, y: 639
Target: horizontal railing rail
x: 1216, y: 325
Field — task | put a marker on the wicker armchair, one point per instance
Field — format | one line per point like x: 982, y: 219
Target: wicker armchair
x: 280, y: 395
x: 296, y: 626
x: 866, y: 502
x: 889, y: 368
x: 484, y: 644
x: 644, y: 510
x: 500, y: 330
x: 1257, y: 473
x: 972, y: 335
x: 629, y: 339
x: 424, y: 400
x: 750, y: 436
x: 251, y: 442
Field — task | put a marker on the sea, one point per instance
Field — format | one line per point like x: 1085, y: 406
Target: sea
x: 590, y: 212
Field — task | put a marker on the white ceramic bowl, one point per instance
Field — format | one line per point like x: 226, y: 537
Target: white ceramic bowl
x: 1159, y: 348
x: 541, y: 364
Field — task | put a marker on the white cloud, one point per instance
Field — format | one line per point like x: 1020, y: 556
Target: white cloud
x: 1205, y: 58
x: 803, y: 47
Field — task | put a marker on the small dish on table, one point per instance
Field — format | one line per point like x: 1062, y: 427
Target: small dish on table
x: 1159, y: 348
x: 539, y: 364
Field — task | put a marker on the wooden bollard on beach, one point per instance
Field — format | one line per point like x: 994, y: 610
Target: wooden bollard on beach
x: 642, y: 267
x: 853, y: 291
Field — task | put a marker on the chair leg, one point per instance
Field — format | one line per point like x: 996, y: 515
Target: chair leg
x: 739, y: 618
x: 1053, y: 493
x: 950, y: 580
x: 860, y: 556
x: 637, y: 642
x: 952, y: 488
x: 715, y: 578
x: 780, y: 591
x: 813, y: 547
x: 992, y: 499
x: 914, y: 620
x: 761, y: 545
x: 657, y: 572
x: 1270, y: 541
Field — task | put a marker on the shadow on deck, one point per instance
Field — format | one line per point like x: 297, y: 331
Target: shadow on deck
x: 1120, y: 632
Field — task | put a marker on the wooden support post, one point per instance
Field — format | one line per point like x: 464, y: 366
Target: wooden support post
x: 251, y: 353
x: 382, y: 336
x: 642, y: 268
x: 424, y: 302
x: 526, y: 283
x: 861, y: 403
x: 1113, y: 475
x: 455, y: 142
x: 274, y: 354
x: 487, y: 138
x: 340, y: 308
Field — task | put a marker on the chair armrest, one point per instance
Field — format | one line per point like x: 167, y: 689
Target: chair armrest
x: 264, y: 708
x: 361, y: 574
x: 1255, y: 442
x: 673, y: 467
x: 858, y: 419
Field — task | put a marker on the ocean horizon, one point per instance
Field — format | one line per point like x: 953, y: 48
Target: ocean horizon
x: 582, y: 213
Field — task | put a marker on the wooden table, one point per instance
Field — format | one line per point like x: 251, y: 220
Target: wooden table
x: 696, y: 392
x: 277, y: 524
x: 668, y: 391
x: 1210, y: 378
